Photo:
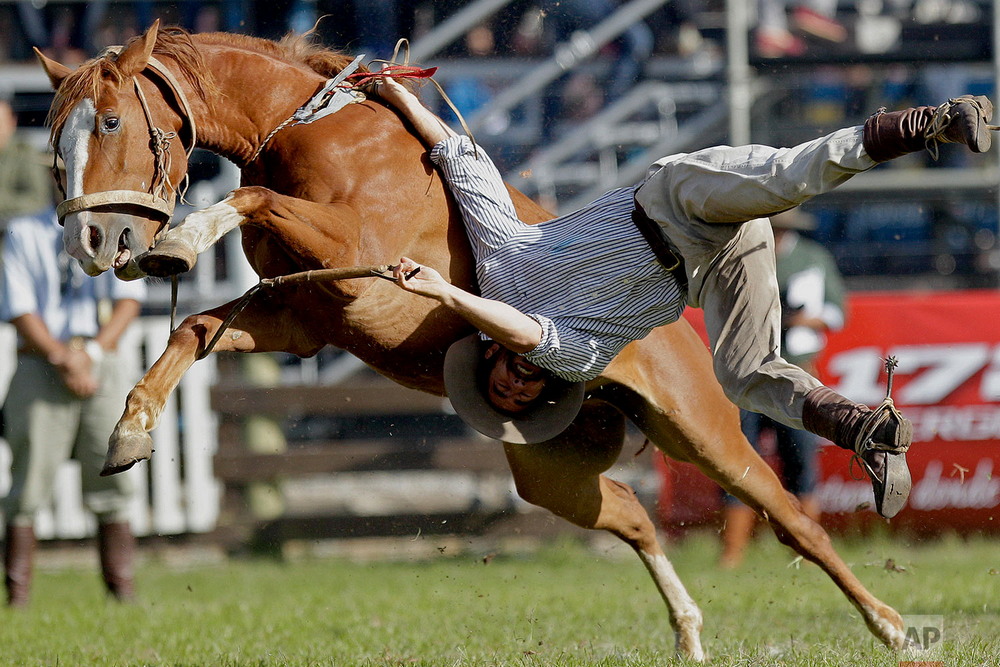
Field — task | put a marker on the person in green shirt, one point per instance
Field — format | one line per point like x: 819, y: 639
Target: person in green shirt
x: 25, y: 182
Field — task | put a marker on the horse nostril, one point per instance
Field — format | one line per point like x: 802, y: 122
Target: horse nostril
x: 94, y: 238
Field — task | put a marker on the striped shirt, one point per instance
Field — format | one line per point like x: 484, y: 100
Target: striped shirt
x: 588, y: 278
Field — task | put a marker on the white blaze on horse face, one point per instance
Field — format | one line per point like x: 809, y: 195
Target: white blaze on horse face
x: 74, y: 146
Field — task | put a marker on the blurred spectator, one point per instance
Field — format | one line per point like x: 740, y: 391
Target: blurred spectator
x: 197, y: 16
x: 471, y: 93
x: 64, y: 31
x: 567, y: 17
x: 564, y: 20
x: 65, y: 397
x: 25, y: 183
x: 812, y: 303
x: 773, y: 37
x: 527, y: 37
x: 676, y: 27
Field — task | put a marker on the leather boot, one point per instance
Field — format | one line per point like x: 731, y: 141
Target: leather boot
x: 962, y: 120
x: 19, y: 556
x: 116, y: 546
x: 879, y: 437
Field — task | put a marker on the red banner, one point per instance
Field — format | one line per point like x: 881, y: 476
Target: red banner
x: 947, y: 383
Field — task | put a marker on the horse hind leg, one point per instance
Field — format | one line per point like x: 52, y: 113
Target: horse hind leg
x: 795, y: 529
x: 691, y: 420
x: 719, y: 449
x: 565, y: 477
x: 753, y: 482
x: 685, y: 616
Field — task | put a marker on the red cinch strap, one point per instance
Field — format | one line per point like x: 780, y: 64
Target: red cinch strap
x: 393, y: 72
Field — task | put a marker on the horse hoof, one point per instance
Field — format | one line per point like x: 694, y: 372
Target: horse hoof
x: 167, y: 258
x: 687, y: 641
x: 125, y: 451
x: 886, y: 624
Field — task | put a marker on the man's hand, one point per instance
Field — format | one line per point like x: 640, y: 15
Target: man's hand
x: 428, y: 127
x: 422, y: 280
x: 395, y: 93
x: 501, y: 322
x: 71, y: 361
x: 76, y: 369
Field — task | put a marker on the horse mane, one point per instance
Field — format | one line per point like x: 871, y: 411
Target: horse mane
x: 86, y: 81
x: 320, y: 59
x: 178, y: 45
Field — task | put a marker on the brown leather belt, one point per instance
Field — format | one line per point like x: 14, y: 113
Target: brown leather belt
x: 671, y: 260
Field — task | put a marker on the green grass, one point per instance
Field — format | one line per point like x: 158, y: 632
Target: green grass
x: 562, y: 605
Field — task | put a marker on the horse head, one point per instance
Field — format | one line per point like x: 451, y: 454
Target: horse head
x: 119, y: 137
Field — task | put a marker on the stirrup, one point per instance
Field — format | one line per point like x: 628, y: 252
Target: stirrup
x: 879, y: 417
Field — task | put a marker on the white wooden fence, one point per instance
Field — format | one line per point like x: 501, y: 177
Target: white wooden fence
x: 176, y: 491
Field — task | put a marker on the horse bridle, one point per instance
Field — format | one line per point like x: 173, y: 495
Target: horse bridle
x: 162, y: 194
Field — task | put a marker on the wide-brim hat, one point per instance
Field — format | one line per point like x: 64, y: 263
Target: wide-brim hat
x: 555, y: 410
x: 794, y: 219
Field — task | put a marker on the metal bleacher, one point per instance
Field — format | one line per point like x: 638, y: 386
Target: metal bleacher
x: 912, y: 224
x: 673, y: 109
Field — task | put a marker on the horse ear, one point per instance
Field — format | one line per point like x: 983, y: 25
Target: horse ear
x: 136, y: 55
x: 56, y: 71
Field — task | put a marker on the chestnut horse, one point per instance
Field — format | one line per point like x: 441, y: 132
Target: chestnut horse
x: 356, y: 188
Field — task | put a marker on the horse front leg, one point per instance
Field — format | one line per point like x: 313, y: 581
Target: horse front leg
x: 565, y: 477
x: 263, y: 326
x: 306, y: 229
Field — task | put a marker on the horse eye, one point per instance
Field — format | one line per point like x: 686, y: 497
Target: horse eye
x: 110, y: 124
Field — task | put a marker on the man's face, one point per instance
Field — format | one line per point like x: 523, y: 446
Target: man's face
x: 514, y: 383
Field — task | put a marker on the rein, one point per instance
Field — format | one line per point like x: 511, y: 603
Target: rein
x: 160, y: 198
x: 315, y: 275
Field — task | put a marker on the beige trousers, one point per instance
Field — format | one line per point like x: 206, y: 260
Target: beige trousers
x: 47, y: 425
x: 711, y: 206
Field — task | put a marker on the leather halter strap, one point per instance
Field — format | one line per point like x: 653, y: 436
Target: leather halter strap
x: 161, y: 197
x: 112, y: 197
